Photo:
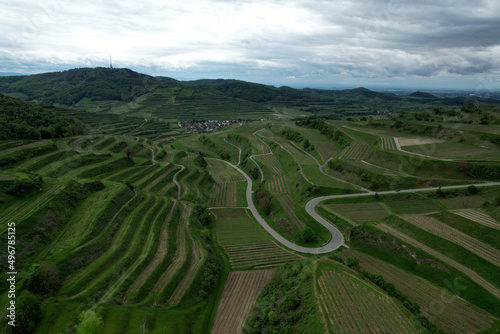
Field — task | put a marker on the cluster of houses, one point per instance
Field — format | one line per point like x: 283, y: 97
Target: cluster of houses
x: 208, y: 126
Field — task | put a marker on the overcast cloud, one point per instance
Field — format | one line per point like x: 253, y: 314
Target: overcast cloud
x: 448, y: 44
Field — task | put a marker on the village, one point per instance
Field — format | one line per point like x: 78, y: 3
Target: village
x: 210, y: 125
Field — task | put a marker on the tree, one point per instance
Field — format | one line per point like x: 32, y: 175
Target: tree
x: 472, y: 190
x: 28, y: 313
x: 90, y: 323
x: 307, y: 235
x: 129, y: 153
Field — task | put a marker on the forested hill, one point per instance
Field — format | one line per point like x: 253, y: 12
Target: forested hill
x: 23, y: 120
x: 105, y: 89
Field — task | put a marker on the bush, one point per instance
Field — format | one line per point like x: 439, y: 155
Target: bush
x: 472, y: 190
x: 28, y: 313
x: 307, y: 235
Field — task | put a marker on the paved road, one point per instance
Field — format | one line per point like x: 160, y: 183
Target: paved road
x: 337, y: 239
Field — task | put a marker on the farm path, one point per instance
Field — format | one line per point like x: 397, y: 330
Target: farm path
x: 239, y: 149
x: 256, y: 155
x: 322, y: 169
x: 177, y: 183
x: 152, y: 156
x: 398, y: 147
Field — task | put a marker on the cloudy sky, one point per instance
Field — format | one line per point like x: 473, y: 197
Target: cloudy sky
x: 446, y: 44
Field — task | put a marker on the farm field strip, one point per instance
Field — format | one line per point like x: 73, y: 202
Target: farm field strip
x: 270, y: 162
x: 359, y: 212
x: 245, y: 242
x: 472, y: 274
x: 160, y: 254
x: 179, y: 257
x: 355, y: 151
x: 278, y: 184
x: 130, y: 256
x: 458, y: 315
x: 158, y: 179
x: 25, y: 145
x: 436, y: 227
x: 480, y: 217
x: 224, y: 194
x: 238, y: 297
x: 299, y: 156
x: 108, y: 225
x: 287, y: 204
x: 221, y: 172
x: 94, y: 268
x: 359, y: 307
x: 82, y: 222
x: 21, y: 210
x: 387, y: 144
x: 413, y: 206
x: 198, y: 257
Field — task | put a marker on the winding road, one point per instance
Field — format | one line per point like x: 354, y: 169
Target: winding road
x: 336, y: 239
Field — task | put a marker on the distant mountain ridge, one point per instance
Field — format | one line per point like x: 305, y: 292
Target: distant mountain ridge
x: 100, y: 87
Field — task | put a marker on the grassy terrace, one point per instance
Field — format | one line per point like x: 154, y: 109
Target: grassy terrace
x: 126, y: 246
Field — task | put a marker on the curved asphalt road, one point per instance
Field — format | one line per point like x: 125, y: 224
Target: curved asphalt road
x: 337, y: 239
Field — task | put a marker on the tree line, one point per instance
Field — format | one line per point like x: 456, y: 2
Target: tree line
x: 22, y: 120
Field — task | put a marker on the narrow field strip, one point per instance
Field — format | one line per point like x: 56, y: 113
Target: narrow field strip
x: 238, y: 297
x: 21, y: 210
x: 299, y: 156
x: 82, y: 222
x: 270, y: 162
x: 359, y: 212
x: 197, y: 259
x: 287, y: 204
x: 245, y: 242
x: 480, y: 217
x: 353, y: 305
x: 160, y: 254
x: 108, y: 225
x: 355, y: 151
x: 179, y: 256
x: 387, y: 144
x: 454, y: 314
x: 472, y: 274
x: 94, y: 269
x: 475, y: 246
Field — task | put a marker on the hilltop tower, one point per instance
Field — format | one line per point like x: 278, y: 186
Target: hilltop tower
x: 110, y: 63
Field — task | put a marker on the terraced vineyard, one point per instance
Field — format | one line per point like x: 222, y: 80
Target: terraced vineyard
x: 278, y: 184
x: 356, y: 151
x: 288, y: 204
x: 495, y: 291
x: 387, y: 143
x: 138, y: 223
x: 301, y: 157
x: 270, y: 162
x: 246, y: 243
x: 349, y: 305
x: 238, y: 297
x: 449, y: 312
x: 480, y: 217
x: 438, y: 228
x: 359, y: 213
x: 413, y: 206
x: 21, y: 210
